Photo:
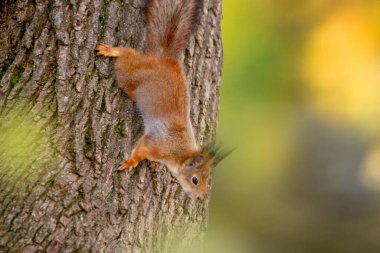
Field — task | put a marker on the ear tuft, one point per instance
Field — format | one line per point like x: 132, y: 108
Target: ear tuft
x: 216, y: 152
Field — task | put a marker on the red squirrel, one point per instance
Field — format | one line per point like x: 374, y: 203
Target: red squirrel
x: 155, y: 80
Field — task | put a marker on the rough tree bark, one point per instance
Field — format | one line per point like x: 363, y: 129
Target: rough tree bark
x: 70, y: 198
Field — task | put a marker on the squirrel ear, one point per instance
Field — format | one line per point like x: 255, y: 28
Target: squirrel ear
x: 195, y: 161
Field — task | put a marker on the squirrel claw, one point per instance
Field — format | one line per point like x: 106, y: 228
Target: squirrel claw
x: 117, y: 167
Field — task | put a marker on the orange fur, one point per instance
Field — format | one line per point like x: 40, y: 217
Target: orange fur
x: 156, y: 81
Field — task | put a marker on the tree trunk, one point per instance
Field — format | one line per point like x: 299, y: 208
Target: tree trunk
x: 65, y: 125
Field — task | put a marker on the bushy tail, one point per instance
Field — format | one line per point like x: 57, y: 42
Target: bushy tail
x: 170, y: 24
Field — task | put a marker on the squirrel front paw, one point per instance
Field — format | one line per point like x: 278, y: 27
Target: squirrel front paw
x: 130, y: 164
x: 104, y: 50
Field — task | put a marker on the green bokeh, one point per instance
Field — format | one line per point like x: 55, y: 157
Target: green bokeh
x: 25, y: 149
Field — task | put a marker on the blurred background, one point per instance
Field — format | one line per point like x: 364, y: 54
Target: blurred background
x: 300, y: 99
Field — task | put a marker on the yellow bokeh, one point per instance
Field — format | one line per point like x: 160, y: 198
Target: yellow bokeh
x: 342, y: 66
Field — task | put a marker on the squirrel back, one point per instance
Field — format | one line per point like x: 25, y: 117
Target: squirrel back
x: 170, y: 24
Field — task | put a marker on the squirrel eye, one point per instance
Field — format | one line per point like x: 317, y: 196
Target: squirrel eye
x: 194, y: 180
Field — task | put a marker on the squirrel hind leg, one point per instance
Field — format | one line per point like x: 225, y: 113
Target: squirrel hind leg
x: 109, y: 51
x: 153, y: 166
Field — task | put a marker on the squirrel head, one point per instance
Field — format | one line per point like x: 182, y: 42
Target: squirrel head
x: 194, y: 172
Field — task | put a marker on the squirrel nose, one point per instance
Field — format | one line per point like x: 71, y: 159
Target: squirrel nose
x: 200, y: 197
